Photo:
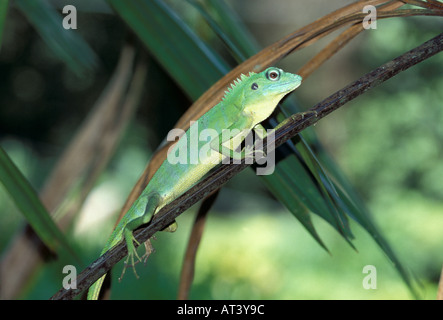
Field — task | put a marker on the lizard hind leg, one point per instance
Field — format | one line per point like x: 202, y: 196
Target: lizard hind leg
x: 153, y: 201
x: 132, y: 251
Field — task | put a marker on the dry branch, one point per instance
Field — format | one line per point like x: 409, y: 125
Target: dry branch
x: 291, y: 127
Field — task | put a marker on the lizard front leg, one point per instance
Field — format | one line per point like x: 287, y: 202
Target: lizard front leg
x: 239, y: 127
x: 153, y: 200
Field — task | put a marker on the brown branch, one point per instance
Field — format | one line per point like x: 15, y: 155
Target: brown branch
x: 290, y: 128
x: 430, y: 4
x: 339, y: 42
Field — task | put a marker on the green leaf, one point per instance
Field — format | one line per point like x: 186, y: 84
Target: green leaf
x: 67, y: 45
x: 233, y: 27
x: 28, y: 202
x: 192, y: 63
x: 321, y: 186
x: 3, y: 11
x: 289, y: 194
x: 363, y: 217
x: 236, y: 52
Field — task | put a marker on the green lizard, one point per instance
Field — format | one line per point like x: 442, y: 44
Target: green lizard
x: 249, y: 101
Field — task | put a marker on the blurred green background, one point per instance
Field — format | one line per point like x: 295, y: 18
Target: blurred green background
x: 389, y: 142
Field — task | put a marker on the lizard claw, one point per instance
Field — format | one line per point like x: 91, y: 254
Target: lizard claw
x: 249, y: 152
x: 132, y: 251
x: 260, y: 153
x: 131, y: 261
x: 149, y: 249
x: 126, y: 265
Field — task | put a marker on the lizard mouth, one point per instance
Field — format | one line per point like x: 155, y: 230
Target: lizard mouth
x: 289, y: 85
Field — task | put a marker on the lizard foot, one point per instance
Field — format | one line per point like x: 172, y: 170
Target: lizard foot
x: 249, y: 154
x: 149, y: 249
x: 132, y: 262
x: 132, y: 252
x: 126, y: 265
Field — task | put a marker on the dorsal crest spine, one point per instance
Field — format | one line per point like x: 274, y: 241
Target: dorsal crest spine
x: 236, y: 83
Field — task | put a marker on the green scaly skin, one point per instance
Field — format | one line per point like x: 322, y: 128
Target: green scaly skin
x: 249, y: 101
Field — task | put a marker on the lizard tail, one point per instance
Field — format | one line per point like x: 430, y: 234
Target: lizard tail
x: 94, y: 290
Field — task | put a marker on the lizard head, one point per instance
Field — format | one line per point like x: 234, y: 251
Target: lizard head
x: 263, y: 91
x: 273, y: 83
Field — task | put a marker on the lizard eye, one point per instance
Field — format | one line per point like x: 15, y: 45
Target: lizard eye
x: 254, y: 86
x: 273, y: 75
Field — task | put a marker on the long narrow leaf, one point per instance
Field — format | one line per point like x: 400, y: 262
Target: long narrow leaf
x: 173, y: 43
x: 233, y: 27
x: 288, y: 193
x: 235, y: 50
x: 26, y: 199
x: 80, y: 164
x: 66, y: 44
x: 3, y: 11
